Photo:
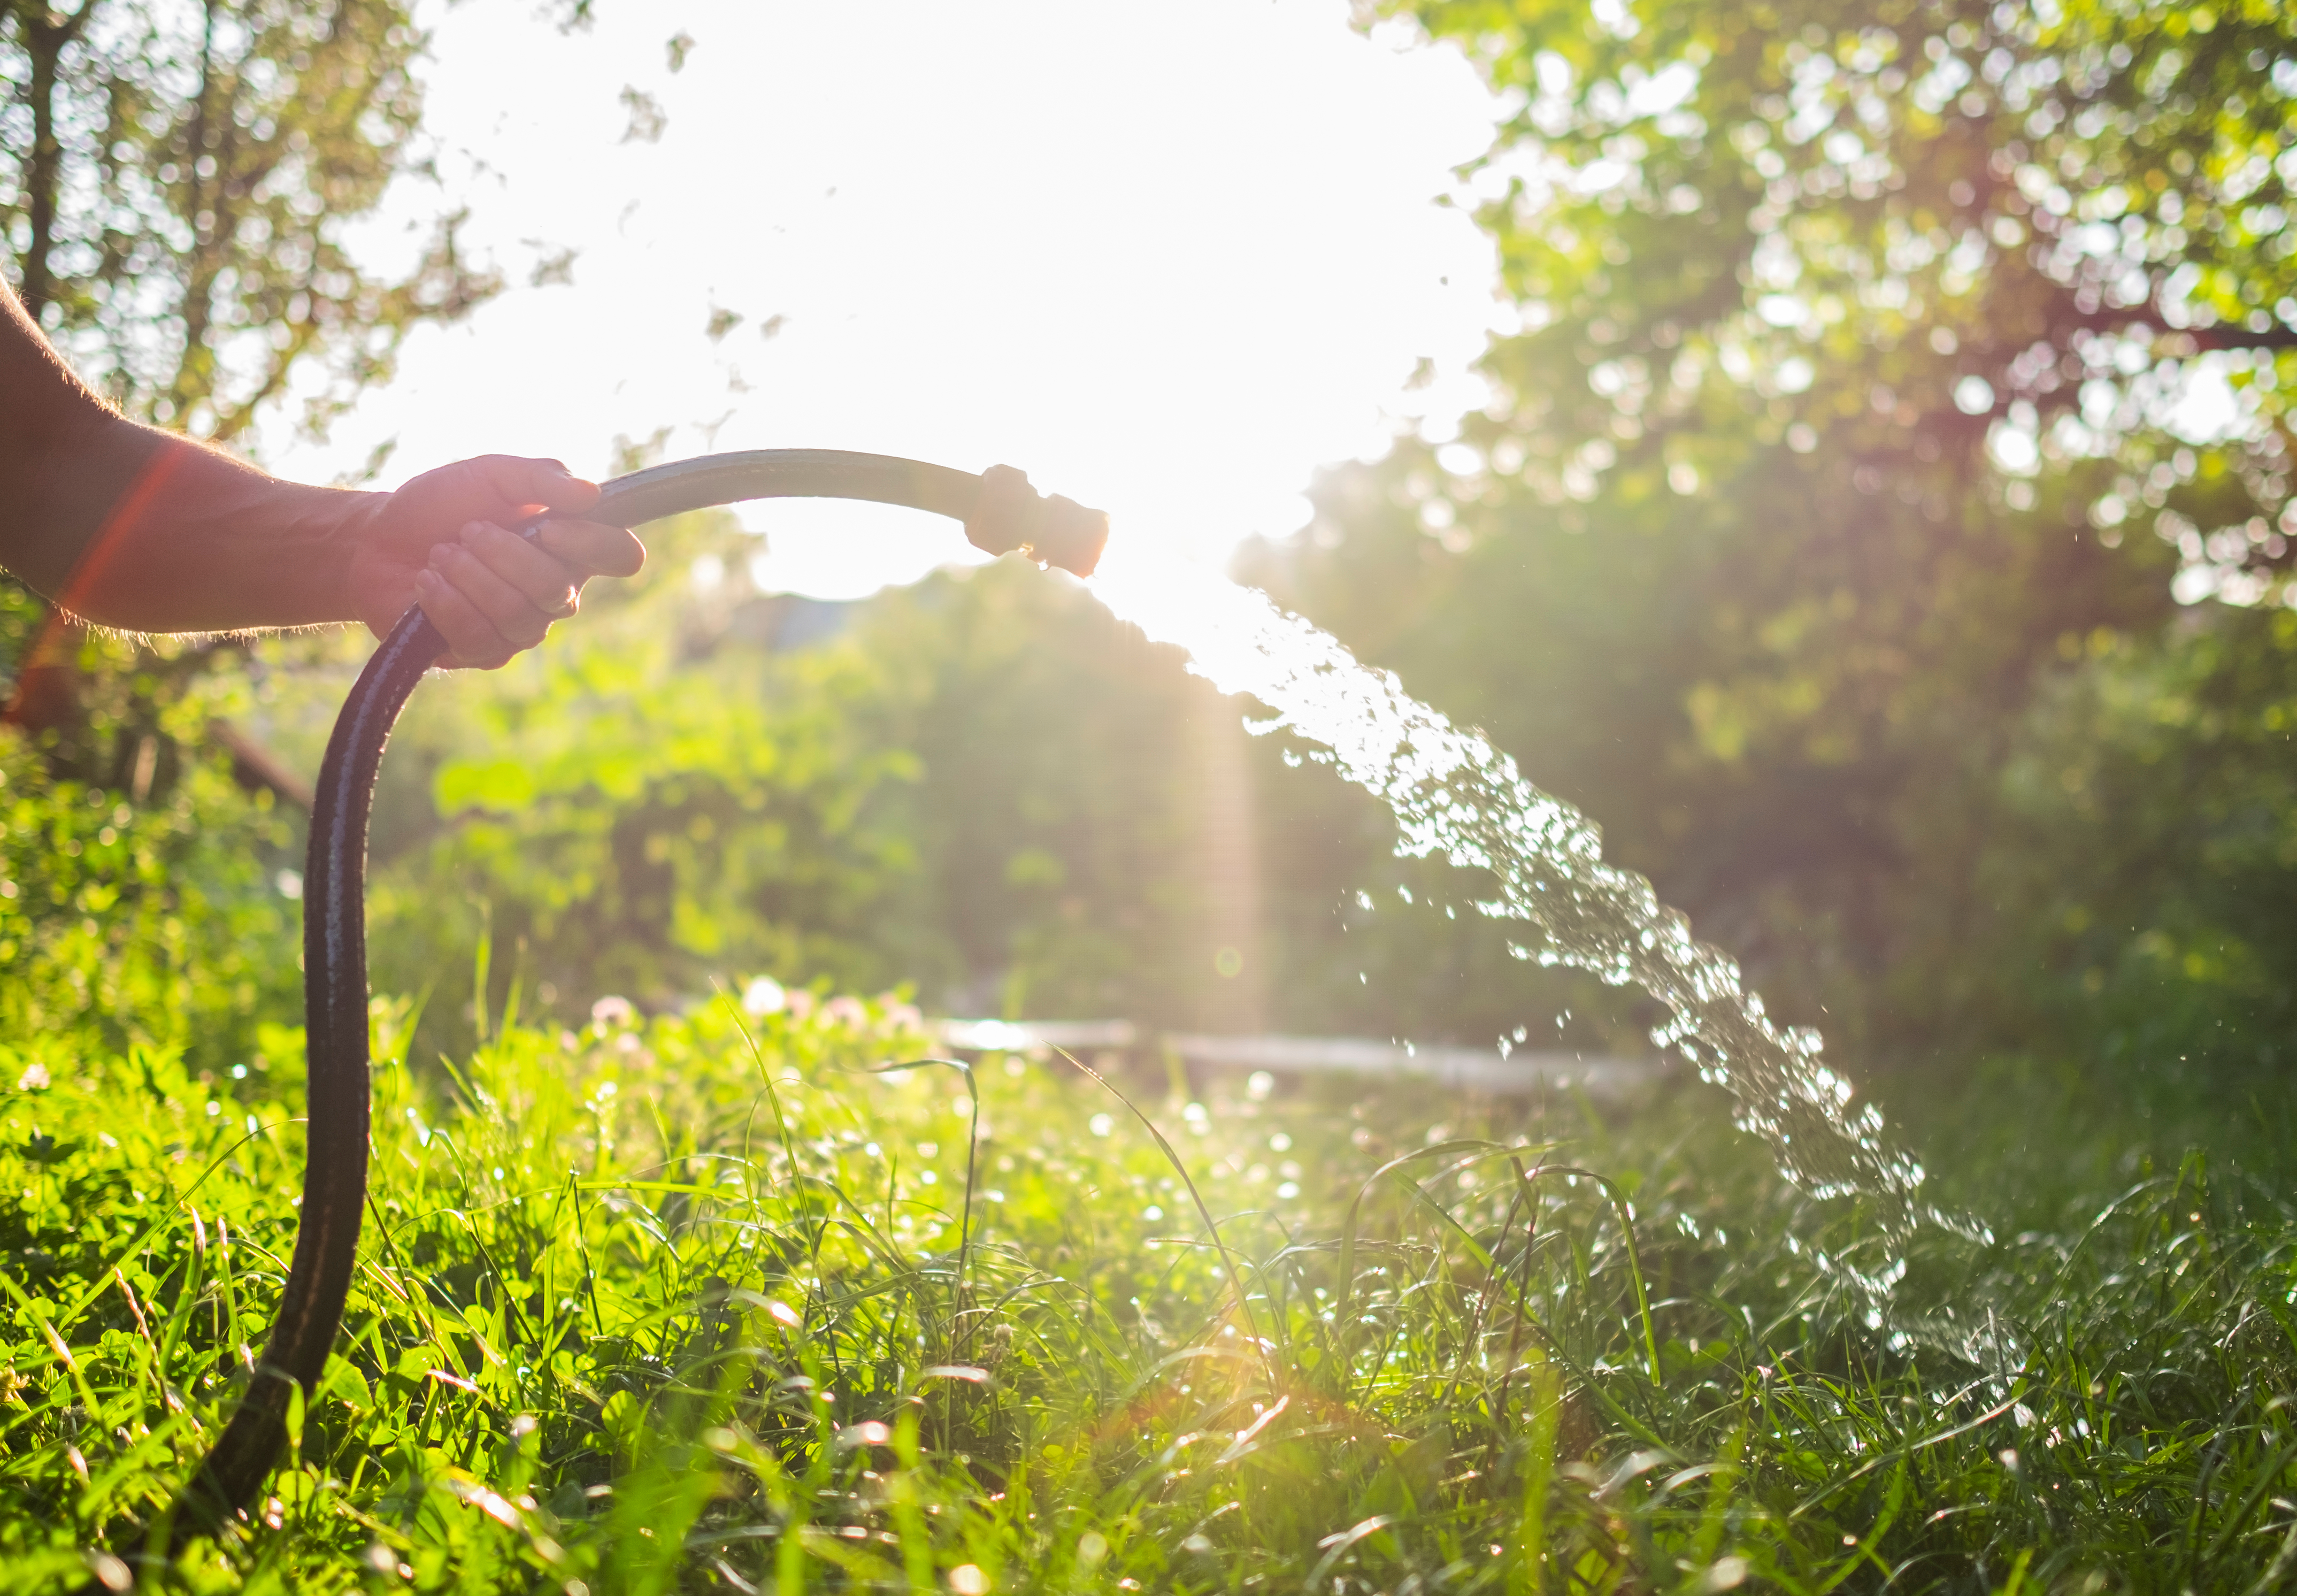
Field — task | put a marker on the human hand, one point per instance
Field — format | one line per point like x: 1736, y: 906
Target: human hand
x: 444, y: 542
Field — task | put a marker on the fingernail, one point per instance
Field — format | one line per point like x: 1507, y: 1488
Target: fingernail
x: 439, y: 555
x: 427, y: 580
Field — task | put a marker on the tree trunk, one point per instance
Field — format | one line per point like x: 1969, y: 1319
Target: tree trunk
x: 202, y: 209
x: 46, y: 38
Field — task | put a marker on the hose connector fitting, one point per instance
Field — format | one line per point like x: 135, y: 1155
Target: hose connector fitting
x: 1010, y: 515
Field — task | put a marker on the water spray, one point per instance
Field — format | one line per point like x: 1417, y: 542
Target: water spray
x: 1001, y: 512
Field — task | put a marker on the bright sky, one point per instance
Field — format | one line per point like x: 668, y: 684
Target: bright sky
x: 1167, y: 258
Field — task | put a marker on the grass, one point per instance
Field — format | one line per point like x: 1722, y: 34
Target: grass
x: 699, y: 1304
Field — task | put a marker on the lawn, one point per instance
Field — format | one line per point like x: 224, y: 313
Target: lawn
x: 694, y: 1303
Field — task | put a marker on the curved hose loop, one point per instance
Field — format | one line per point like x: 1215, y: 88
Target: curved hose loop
x: 1001, y: 512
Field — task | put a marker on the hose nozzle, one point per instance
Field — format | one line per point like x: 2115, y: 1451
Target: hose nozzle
x: 1010, y: 515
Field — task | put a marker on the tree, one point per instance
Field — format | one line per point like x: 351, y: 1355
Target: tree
x: 177, y: 179
x: 1853, y: 343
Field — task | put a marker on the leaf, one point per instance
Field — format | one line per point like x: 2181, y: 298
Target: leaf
x: 504, y: 786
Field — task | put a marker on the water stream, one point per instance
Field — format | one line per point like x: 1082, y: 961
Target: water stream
x: 1457, y: 798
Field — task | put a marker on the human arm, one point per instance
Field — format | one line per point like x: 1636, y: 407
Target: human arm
x: 131, y: 526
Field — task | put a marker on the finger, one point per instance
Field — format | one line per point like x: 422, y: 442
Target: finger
x: 550, y: 584
x: 593, y: 546
x: 471, y: 637
x: 514, y: 616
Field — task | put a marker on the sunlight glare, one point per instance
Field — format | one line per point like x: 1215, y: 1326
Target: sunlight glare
x: 1172, y: 259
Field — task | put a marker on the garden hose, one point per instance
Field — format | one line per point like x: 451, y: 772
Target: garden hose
x: 1001, y: 512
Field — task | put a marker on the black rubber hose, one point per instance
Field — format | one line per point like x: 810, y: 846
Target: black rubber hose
x: 1001, y: 512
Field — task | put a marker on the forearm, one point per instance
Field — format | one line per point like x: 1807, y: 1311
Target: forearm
x: 131, y: 526
x: 140, y: 530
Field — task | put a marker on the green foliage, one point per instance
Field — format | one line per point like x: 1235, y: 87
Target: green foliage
x: 175, y: 183
x: 664, y: 1306
x: 2150, y: 849
x: 982, y: 785
x: 2029, y: 215
x: 156, y: 923
x: 1849, y: 338
x: 1058, y: 814
x: 632, y: 815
